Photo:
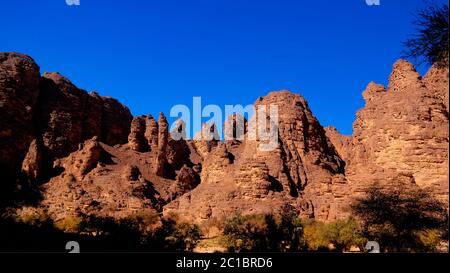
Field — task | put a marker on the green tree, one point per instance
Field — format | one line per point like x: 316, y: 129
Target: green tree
x: 291, y: 230
x: 282, y: 232
x: 430, y: 42
x: 183, y: 237
x: 314, y: 235
x: 343, y: 234
x: 245, y: 233
x: 174, y: 235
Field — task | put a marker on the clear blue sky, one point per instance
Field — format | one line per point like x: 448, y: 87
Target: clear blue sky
x: 152, y: 55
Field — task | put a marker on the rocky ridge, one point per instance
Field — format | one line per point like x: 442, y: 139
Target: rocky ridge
x: 88, y: 155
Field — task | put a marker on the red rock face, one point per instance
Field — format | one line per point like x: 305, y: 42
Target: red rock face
x: 116, y: 119
x: 101, y: 180
x: 137, y: 140
x: 53, y: 111
x: 163, y: 139
x: 19, y: 88
x: 66, y: 116
x: 304, y: 170
x: 151, y: 132
x: 49, y: 126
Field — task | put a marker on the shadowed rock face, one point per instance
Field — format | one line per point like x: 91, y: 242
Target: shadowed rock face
x: 32, y: 163
x: 19, y: 89
x: 66, y: 116
x: 54, y: 112
x: 56, y: 133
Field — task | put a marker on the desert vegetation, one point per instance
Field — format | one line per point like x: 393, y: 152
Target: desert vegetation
x: 399, y: 219
x: 429, y: 44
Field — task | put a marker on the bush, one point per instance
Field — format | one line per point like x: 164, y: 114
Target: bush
x: 341, y: 234
x: 69, y: 224
x: 212, y: 227
x: 430, y: 239
x: 314, y: 236
x: 142, y: 231
x: 245, y: 233
x: 145, y: 221
x: 29, y: 230
x: 264, y: 232
x: 145, y: 231
x: 290, y: 230
x: 32, y: 217
x: 173, y: 236
x: 184, y: 237
x: 344, y: 234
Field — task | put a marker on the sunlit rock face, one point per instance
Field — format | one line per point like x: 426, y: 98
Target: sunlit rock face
x: 89, y: 155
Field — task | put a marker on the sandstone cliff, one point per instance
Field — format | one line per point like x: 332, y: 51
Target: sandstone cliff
x: 53, y: 112
x: 90, y: 156
x: 401, y: 131
x: 304, y: 170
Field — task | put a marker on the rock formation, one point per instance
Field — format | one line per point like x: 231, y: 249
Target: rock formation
x: 19, y: 89
x: 137, y: 139
x: 67, y: 116
x: 81, y: 162
x: 102, y: 180
x: 32, y: 163
x: 54, y: 112
x: 235, y: 128
x: 304, y: 170
x: 57, y: 134
x: 163, y: 139
x: 187, y: 179
x: 402, y: 131
x: 151, y: 132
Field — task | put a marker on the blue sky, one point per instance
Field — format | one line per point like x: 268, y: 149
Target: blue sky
x: 152, y: 55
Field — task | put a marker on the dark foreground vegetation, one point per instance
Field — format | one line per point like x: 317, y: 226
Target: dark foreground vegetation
x: 398, y: 219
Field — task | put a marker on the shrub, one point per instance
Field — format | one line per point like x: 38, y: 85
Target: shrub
x: 245, y: 233
x: 344, y: 234
x: 340, y: 234
x: 145, y: 221
x: 290, y: 230
x: 173, y: 236
x: 69, y: 224
x: 184, y: 237
x: 430, y: 239
x: 144, y: 230
x: 313, y: 236
x: 33, y: 217
x: 212, y: 227
x: 264, y: 232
